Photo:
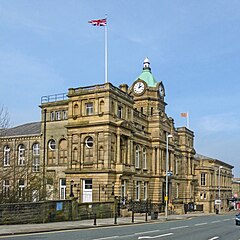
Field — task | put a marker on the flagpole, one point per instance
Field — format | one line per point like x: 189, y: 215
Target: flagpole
x: 106, y: 53
x: 188, y: 120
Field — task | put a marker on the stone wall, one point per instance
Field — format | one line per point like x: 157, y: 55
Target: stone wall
x: 53, y: 211
x: 101, y: 209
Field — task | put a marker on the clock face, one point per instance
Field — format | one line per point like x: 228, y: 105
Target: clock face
x: 139, y: 87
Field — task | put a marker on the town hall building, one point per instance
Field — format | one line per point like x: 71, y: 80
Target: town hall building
x: 99, y: 142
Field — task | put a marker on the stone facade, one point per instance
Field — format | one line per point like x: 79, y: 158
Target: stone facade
x: 100, y: 142
x: 214, y: 183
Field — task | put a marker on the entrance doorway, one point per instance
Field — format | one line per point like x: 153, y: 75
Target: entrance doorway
x: 87, y: 190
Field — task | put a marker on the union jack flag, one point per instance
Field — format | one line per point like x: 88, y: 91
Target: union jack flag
x: 98, y: 22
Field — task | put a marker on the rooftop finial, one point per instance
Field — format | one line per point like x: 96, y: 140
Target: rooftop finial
x: 146, y: 63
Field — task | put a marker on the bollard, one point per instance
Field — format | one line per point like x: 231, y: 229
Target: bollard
x: 132, y: 216
x: 146, y: 216
x: 115, y: 218
x: 94, y: 219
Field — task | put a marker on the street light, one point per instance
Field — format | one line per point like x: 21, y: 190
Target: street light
x: 166, y: 196
x: 219, y: 186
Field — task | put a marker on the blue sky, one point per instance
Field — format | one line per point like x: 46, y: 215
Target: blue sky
x: 48, y: 46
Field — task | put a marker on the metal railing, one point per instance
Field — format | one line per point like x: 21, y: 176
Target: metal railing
x: 54, y: 98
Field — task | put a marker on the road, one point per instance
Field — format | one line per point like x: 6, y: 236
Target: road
x: 198, y: 228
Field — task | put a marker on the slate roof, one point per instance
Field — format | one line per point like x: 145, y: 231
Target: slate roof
x: 33, y: 128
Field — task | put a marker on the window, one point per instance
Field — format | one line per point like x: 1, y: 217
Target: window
x: 137, y: 157
x: 6, y: 188
x: 89, y: 142
x: 63, y: 151
x: 145, y: 190
x: 52, y: 116
x: 151, y: 111
x: 35, y: 195
x: 51, y: 153
x: 203, y: 179
x: 129, y: 114
x: 36, y: 157
x: 120, y: 112
x: 138, y: 189
x: 144, y: 158
x: 6, y: 157
x: 21, y: 155
x: 123, y: 189
x: 36, y: 165
x: 58, y: 115
x: 88, y: 184
x: 21, y: 187
x: 36, y: 149
x: 63, y: 188
x: 64, y: 114
x: 89, y: 108
x: 52, y: 144
x: 203, y: 196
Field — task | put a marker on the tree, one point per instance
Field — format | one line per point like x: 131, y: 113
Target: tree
x: 20, y: 172
x: 4, y: 120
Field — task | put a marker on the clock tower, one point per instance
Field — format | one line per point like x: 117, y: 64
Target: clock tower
x: 147, y: 92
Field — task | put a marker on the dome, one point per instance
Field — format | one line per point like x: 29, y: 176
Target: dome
x: 146, y: 74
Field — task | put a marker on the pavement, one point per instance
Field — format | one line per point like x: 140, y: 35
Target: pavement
x: 6, y: 230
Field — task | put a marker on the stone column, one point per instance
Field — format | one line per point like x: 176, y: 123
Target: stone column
x: 70, y: 151
x: 107, y: 146
x: 96, y: 155
x: 129, y: 149
x: 81, y: 151
x: 118, y: 148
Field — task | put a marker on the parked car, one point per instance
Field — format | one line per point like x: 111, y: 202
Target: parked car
x: 237, y: 219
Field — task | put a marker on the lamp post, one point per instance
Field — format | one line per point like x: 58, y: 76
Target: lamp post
x: 219, y: 187
x: 166, y: 196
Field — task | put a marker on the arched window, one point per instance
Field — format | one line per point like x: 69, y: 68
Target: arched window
x: 88, y: 150
x: 63, y: 151
x: 36, y: 157
x: 6, y: 157
x: 144, y: 158
x: 21, y: 154
x: 51, y: 151
x: 36, y: 149
x: 137, y: 157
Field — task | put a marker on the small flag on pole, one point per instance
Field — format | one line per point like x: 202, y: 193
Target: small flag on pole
x: 98, y: 22
x: 185, y: 114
